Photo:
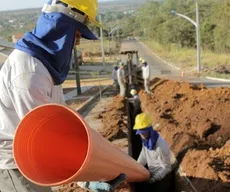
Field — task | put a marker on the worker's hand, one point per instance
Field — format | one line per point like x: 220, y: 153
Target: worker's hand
x: 97, y: 186
x: 152, y: 180
x: 102, y: 186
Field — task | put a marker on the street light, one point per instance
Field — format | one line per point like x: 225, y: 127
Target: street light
x: 102, y: 42
x: 197, y: 25
x: 111, y: 34
x: 114, y: 30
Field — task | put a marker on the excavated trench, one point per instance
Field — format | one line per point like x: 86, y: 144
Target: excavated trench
x: 193, y: 120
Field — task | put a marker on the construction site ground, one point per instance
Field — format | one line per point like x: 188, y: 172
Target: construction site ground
x: 98, y: 116
x: 192, y: 118
x: 194, y: 121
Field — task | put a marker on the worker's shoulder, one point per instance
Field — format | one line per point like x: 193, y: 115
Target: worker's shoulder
x: 162, y: 143
x: 21, y: 63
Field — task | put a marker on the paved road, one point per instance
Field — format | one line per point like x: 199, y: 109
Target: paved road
x: 161, y: 69
x: 157, y: 66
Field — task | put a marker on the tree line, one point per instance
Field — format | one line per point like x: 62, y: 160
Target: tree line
x: 155, y: 21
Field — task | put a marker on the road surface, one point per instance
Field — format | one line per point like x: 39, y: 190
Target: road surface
x: 161, y: 69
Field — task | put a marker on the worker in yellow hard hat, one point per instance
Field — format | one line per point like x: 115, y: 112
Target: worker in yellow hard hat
x: 140, y: 61
x: 155, y: 151
x: 135, y: 100
x: 134, y: 94
x: 33, y: 73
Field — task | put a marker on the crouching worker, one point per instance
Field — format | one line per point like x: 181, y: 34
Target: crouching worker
x: 155, y: 153
x: 103, y: 186
x: 134, y: 94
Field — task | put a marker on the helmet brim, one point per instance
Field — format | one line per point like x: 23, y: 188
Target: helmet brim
x: 142, y: 131
x: 86, y: 33
x: 94, y: 22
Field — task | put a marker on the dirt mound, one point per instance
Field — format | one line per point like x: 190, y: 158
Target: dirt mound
x: 113, y: 120
x: 192, y: 117
x: 206, y: 167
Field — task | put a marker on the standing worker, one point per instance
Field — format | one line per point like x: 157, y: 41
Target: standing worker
x: 114, y: 74
x: 121, y: 79
x: 155, y: 151
x: 146, y: 75
x: 33, y: 73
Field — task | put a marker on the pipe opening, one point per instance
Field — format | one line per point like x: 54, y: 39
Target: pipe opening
x: 43, y: 158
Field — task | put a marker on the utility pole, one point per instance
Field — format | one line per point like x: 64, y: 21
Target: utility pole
x: 118, y: 31
x: 76, y: 64
x: 198, y: 38
x: 102, y: 43
x: 197, y: 25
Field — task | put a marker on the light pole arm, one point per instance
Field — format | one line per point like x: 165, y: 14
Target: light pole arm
x: 187, y: 18
x: 114, y: 30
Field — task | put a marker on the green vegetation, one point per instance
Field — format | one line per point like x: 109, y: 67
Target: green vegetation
x: 174, y: 38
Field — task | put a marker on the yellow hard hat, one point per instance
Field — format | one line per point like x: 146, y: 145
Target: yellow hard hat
x: 140, y: 59
x: 142, y: 121
x: 89, y: 7
x: 143, y: 61
x: 133, y: 92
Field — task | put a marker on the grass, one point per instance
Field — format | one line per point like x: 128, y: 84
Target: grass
x: 185, y: 58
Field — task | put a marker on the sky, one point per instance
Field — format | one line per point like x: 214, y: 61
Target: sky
x: 21, y: 4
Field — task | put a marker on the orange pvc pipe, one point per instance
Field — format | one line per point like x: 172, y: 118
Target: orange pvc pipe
x: 53, y: 145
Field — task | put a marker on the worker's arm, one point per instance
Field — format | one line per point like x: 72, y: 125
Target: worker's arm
x: 164, y: 161
x: 114, y: 75
x: 148, y: 71
x: 62, y: 97
x: 29, y: 91
x: 142, y: 157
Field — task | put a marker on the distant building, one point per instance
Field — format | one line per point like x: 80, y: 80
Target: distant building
x: 16, y: 37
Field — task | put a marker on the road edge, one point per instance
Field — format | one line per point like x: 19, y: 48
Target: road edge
x: 90, y: 100
x: 170, y: 64
x: 217, y: 79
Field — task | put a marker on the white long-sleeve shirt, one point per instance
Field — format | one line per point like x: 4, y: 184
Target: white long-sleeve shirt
x: 121, y: 75
x: 25, y: 83
x: 114, y: 75
x: 146, y: 72
x: 159, y: 160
